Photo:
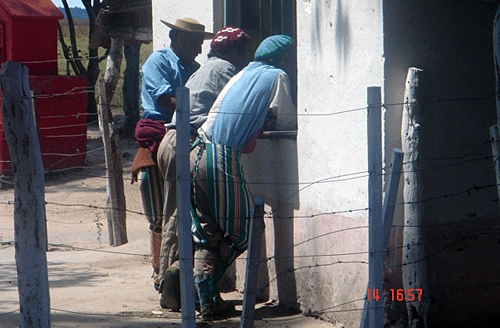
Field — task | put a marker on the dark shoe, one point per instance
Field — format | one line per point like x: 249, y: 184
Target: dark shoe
x: 171, y: 289
x: 223, y: 308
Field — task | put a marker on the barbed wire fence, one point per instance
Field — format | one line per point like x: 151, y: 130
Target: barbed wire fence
x: 476, y: 155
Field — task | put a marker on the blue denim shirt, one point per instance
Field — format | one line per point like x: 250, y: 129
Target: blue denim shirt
x: 162, y: 73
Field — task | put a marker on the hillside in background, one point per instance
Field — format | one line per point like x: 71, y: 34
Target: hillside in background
x: 75, y: 12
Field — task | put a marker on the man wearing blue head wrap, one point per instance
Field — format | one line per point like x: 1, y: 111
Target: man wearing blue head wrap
x: 257, y: 97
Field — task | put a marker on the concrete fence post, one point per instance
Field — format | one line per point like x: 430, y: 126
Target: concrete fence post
x: 183, y: 205
x: 373, y: 313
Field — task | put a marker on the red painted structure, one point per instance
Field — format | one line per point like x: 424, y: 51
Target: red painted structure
x: 28, y: 35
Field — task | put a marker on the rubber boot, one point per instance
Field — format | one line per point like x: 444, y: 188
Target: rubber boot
x: 208, y: 269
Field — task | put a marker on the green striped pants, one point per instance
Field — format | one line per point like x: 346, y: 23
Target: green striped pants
x: 222, y: 207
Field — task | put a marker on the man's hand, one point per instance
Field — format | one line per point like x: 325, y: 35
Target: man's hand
x: 167, y: 103
x: 270, y: 122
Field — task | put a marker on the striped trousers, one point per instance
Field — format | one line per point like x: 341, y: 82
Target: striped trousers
x: 151, y: 191
x: 222, y: 208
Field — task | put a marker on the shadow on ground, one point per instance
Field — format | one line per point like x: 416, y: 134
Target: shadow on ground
x: 264, y: 317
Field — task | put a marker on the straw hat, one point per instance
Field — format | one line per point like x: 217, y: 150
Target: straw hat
x: 189, y: 25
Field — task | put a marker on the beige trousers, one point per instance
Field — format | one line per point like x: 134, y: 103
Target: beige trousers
x: 169, y: 251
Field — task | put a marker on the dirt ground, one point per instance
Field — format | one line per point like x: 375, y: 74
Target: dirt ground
x: 93, y: 284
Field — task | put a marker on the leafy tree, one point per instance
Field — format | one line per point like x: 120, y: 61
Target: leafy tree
x: 73, y: 56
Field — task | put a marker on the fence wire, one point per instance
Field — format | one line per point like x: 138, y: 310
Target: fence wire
x: 475, y: 155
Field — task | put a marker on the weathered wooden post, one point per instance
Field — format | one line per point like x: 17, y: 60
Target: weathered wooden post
x: 495, y: 149
x: 414, y: 263
x: 113, y: 66
x: 115, y: 199
x: 391, y: 195
x: 29, y: 187
x: 495, y: 138
x: 496, y: 50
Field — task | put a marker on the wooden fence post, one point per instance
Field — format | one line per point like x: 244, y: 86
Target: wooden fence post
x: 496, y: 54
x: 115, y: 194
x: 494, y: 129
x: 495, y: 149
x: 115, y: 199
x: 391, y: 194
x: 29, y: 193
x: 414, y: 263
x: 113, y: 65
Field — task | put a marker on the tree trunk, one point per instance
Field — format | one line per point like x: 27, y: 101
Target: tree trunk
x: 116, y: 195
x: 92, y: 76
x: 113, y: 66
x: 414, y: 256
x: 131, y: 87
x: 494, y: 130
x: 29, y: 187
x: 496, y: 49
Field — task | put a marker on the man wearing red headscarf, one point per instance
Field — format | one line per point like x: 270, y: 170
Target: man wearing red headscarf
x: 226, y: 58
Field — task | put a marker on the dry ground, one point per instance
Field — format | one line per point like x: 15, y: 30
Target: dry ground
x: 93, y: 284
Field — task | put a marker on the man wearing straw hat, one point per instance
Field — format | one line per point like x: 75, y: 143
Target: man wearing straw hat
x: 164, y: 71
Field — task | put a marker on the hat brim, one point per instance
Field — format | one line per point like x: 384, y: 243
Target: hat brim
x: 206, y: 35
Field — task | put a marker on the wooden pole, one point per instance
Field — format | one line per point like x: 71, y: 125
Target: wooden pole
x: 414, y: 263
x: 115, y: 195
x: 30, y: 233
x: 494, y: 129
x: 391, y: 195
x: 496, y: 53
x: 495, y: 149
x: 183, y: 207
x: 113, y: 66
x: 115, y: 200
x: 253, y: 261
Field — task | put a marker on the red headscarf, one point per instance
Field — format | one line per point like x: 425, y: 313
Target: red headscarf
x: 229, y: 37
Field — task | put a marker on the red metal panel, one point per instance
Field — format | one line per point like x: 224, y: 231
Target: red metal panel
x: 31, y: 8
x: 2, y: 42
x: 60, y: 105
x: 30, y: 34
x: 35, y: 46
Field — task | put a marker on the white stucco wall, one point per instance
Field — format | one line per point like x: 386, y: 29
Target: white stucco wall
x: 170, y: 11
x: 340, y: 54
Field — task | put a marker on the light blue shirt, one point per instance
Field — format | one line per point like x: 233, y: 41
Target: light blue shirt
x: 240, y: 110
x: 162, y: 73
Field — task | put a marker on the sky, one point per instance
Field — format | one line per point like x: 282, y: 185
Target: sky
x: 71, y: 3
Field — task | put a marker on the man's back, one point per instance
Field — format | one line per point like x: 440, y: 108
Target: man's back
x: 241, y: 109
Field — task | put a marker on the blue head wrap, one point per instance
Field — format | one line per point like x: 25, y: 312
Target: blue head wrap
x: 273, y: 46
